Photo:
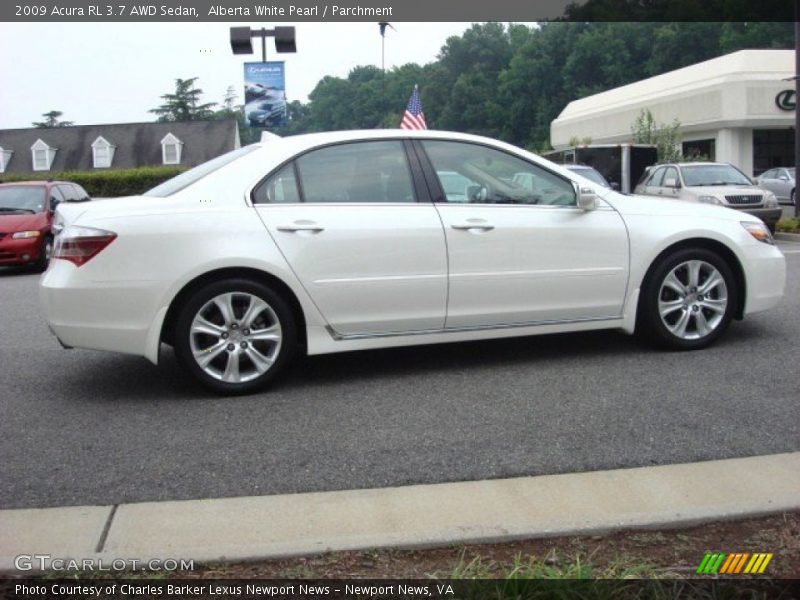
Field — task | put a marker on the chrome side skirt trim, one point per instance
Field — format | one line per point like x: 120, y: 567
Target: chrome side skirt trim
x: 364, y: 336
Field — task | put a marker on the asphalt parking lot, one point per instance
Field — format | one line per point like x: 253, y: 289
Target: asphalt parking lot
x: 82, y: 427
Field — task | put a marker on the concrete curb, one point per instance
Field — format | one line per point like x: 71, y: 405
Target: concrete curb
x: 787, y: 237
x: 251, y: 528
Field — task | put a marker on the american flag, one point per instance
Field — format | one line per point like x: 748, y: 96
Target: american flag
x: 414, y: 118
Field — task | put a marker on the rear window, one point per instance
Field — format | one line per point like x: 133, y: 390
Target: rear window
x: 191, y: 176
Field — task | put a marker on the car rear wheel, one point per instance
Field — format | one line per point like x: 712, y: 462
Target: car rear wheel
x: 688, y: 300
x: 235, y: 335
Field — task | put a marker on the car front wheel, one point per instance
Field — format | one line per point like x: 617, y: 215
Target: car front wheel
x: 235, y: 335
x: 688, y: 300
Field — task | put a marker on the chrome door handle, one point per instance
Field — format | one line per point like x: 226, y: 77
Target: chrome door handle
x: 467, y: 226
x: 296, y: 228
x: 56, y: 229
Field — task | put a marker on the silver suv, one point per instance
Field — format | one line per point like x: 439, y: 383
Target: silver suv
x: 712, y: 183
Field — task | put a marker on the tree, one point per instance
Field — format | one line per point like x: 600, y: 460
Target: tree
x: 184, y: 103
x: 51, y: 120
x: 666, y: 138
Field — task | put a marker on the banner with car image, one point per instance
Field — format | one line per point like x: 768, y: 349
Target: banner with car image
x: 265, y: 94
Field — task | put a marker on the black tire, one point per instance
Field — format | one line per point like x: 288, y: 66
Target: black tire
x: 44, y: 255
x: 650, y: 322
x: 281, y: 312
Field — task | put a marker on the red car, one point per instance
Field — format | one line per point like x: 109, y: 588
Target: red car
x: 26, y: 215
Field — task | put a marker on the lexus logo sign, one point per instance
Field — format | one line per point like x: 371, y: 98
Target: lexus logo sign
x: 785, y: 100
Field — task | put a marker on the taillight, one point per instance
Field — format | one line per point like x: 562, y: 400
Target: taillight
x: 79, y: 244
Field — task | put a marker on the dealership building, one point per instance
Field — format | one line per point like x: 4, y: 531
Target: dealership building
x: 738, y: 108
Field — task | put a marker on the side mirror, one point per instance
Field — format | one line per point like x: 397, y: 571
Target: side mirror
x: 783, y: 178
x: 672, y: 182
x: 587, y: 198
x: 53, y: 204
x: 476, y: 193
x: 614, y: 186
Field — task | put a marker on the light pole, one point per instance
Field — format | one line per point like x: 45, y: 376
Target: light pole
x: 796, y: 98
x: 383, y: 25
x: 241, y: 40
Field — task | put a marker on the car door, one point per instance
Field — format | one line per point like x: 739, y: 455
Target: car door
x: 364, y: 241
x: 768, y: 181
x: 653, y: 184
x: 783, y: 185
x: 671, y: 186
x: 520, y: 251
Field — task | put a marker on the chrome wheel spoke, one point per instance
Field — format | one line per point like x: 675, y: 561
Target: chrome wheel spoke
x: 712, y: 282
x: 270, y: 334
x: 679, y: 328
x: 670, y: 306
x: 694, y: 267
x: 231, y: 373
x: 702, y: 326
x: 204, y: 326
x: 225, y: 305
x: 206, y: 356
x: 256, y: 307
x: 716, y: 305
x: 676, y: 285
x: 260, y: 362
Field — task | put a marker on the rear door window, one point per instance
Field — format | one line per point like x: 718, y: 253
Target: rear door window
x: 357, y: 172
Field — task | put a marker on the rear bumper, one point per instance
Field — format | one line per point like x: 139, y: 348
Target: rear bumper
x: 119, y: 316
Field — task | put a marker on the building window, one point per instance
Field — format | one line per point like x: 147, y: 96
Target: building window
x: 42, y: 156
x: 102, y: 153
x: 5, y: 156
x: 171, y: 148
x: 772, y: 148
x: 700, y: 149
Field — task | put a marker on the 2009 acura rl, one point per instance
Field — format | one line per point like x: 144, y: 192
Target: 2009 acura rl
x: 349, y: 240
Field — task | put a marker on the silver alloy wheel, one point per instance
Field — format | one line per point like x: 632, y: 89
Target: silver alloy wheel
x: 235, y: 337
x: 692, y: 300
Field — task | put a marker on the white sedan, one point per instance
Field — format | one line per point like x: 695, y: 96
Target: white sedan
x: 348, y: 241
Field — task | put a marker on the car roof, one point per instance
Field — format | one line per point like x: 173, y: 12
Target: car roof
x: 33, y: 183
x: 698, y: 163
x: 310, y: 140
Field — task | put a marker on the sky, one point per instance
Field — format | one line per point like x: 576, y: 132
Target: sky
x: 115, y: 72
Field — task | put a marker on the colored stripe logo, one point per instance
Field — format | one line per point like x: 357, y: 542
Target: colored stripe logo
x: 734, y: 563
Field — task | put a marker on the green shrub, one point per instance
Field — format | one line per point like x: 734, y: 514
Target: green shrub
x: 789, y: 225
x: 107, y: 183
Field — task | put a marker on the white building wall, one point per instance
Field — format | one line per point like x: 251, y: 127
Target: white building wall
x: 735, y: 145
x: 722, y: 99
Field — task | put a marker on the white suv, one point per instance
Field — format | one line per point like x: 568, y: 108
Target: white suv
x: 711, y: 183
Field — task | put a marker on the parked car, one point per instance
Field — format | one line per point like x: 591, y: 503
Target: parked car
x: 712, y: 183
x: 590, y: 173
x: 26, y: 217
x: 343, y: 241
x: 781, y: 182
x: 267, y: 113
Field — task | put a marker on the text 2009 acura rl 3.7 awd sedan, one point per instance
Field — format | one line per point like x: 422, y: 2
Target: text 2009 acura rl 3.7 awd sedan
x: 348, y: 241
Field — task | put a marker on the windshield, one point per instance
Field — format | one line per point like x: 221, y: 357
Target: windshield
x: 186, y: 179
x: 22, y: 199
x: 714, y: 175
x: 592, y: 175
